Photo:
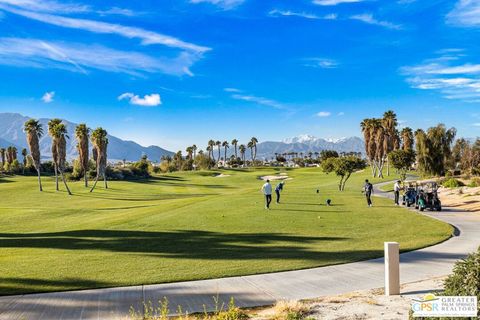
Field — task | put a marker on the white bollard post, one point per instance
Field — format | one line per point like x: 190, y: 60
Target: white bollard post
x: 392, y: 269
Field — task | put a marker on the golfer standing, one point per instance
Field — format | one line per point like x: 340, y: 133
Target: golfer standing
x: 278, y: 189
x: 368, y: 189
x: 396, y: 190
x: 267, y: 191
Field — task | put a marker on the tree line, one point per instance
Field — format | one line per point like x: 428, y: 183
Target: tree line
x: 58, y: 132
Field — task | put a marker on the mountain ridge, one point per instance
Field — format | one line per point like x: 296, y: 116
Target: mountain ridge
x: 11, y: 133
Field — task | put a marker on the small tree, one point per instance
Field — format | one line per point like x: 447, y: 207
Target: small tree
x: 402, y: 160
x: 343, y: 167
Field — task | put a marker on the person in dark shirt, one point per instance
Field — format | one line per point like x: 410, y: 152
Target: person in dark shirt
x: 368, y: 190
x: 278, y: 189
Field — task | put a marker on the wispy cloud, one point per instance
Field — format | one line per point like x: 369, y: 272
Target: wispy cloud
x: 224, y: 4
x: 341, y: 113
x: 452, y: 77
x: 259, y: 100
x: 117, y: 11
x: 477, y: 124
x: 232, y: 90
x: 48, y: 96
x: 323, y: 114
x: 47, y: 6
x: 306, y: 15
x: 322, y: 63
x: 370, y: 19
x: 81, y: 58
x: 148, y: 100
x: 147, y: 37
x: 465, y: 13
x: 333, y: 2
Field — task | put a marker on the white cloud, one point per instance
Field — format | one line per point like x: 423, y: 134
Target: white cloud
x: 149, y: 100
x: 369, y: 19
x: 259, y: 100
x: 323, y: 63
x: 323, y: 114
x: 289, y: 13
x: 452, y: 78
x: 341, y: 114
x: 465, y: 13
x: 232, y: 90
x: 476, y: 124
x: 147, y: 37
x: 81, y: 58
x: 117, y: 11
x: 48, y: 96
x: 47, y: 6
x: 225, y: 4
x: 333, y: 2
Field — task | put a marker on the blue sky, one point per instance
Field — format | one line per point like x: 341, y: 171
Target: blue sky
x: 178, y: 72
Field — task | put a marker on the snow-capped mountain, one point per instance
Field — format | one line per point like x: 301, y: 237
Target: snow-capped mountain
x: 308, y: 143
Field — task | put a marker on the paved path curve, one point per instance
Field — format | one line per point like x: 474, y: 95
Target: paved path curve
x: 256, y: 290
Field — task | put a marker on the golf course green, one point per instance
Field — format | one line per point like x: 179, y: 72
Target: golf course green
x: 192, y: 225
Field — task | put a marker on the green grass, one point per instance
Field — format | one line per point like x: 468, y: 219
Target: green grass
x: 188, y: 226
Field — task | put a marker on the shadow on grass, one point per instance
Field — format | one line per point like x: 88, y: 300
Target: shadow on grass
x: 12, y: 285
x: 186, y: 244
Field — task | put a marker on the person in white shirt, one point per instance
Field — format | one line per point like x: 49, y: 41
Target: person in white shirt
x: 267, y: 191
x: 396, y: 190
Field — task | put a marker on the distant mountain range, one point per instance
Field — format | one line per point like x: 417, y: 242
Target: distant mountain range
x: 11, y: 134
x: 308, y: 143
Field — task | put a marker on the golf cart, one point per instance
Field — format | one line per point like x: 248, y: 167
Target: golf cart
x: 427, y: 197
x: 410, y: 195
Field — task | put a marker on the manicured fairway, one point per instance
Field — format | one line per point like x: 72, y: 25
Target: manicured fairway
x: 187, y: 226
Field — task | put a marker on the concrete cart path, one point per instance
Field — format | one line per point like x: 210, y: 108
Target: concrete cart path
x: 256, y: 290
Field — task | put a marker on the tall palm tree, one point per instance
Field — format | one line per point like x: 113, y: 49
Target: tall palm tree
x: 34, y: 131
x: 254, y: 142
x: 219, y: 145
x: 209, y: 149
x: 234, y: 144
x: 24, y: 155
x: 189, y: 151
x: 194, y: 149
x: 225, y: 145
x: 211, y: 144
x: 250, y: 146
x: 242, y: 150
x: 389, y: 123
x: 99, y: 140
x: 51, y: 128
x: 82, y: 134
x: 407, y: 138
x: 59, y: 135
x: 2, y: 156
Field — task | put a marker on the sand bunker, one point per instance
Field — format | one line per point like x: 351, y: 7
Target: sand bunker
x: 283, y: 176
x: 222, y: 175
x: 464, y: 198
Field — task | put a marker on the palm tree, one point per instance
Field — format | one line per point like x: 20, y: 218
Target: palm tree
x: 59, y: 135
x: 99, y: 140
x: 189, y: 151
x: 254, y: 142
x: 194, y: 149
x: 82, y: 133
x: 219, y: 145
x: 389, y: 123
x: 226, y: 146
x: 250, y: 146
x: 407, y: 138
x: 51, y: 127
x: 24, y: 155
x: 211, y: 144
x: 2, y: 156
x: 34, y: 131
x: 235, y: 143
x: 242, y: 149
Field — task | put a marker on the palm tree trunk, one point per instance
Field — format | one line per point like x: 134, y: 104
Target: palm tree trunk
x: 105, y: 180
x: 94, y: 184
x: 65, y: 182
x: 39, y: 180
x: 56, y: 177
x: 388, y: 167
x: 86, y: 178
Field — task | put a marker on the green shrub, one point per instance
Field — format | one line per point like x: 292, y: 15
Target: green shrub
x: 475, y: 182
x: 452, y: 183
x: 464, y: 281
